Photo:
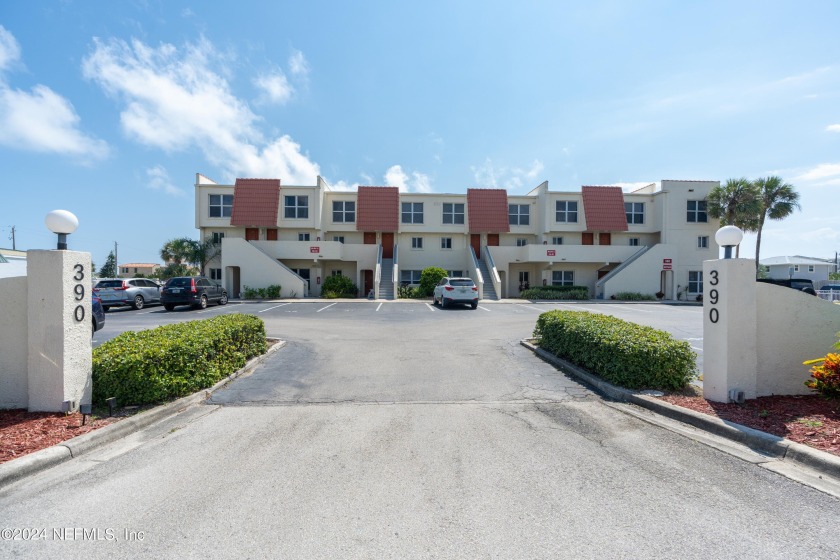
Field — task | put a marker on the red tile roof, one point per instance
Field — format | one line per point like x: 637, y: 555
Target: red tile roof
x: 255, y: 202
x: 604, y: 209
x: 378, y: 209
x: 488, y: 210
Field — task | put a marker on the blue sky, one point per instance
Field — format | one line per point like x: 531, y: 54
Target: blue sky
x: 108, y: 109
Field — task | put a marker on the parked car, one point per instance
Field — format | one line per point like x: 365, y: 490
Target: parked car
x: 831, y: 287
x: 801, y: 284
x: 456, y: 290
x: 197, y: 291
x: 98, y: 313
x: 136, y: 292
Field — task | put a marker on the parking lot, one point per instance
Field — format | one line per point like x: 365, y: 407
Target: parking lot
x: 299, y: 320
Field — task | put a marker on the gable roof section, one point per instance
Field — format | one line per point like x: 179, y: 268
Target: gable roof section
x: 604, y: 208
x: 378, y: 209
x: 255, y: 202
x: 488, y: 210
x: 796, y: 259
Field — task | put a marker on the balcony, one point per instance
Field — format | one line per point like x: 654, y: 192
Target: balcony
x: 564, y: 253
x: 324, y: 250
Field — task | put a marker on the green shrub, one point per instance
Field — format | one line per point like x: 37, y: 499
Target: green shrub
x: 407, y: 292
x: 271, y: 292
x: 429, y: 278
x: 623, y: 353
x: 548, y: 292
x: 825, y: 374
x: 338, y: 287
x: 634, y: 296
x: 172, y: 361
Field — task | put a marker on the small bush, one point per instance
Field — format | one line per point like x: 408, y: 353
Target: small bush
x: 172, y: 361
x: 271, y: 292
x: 634, y: 296
x: 338, y: 287
x: 429, y: 278
x: 825, y: 375
x: 404, y: 291
x: 623, y: 353
x: 548, y: 292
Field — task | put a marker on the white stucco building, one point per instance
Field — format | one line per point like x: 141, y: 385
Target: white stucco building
x: 650, y: 240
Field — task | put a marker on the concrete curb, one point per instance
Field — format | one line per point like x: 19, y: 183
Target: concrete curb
x: 38, y: 461
x: 768, y: 444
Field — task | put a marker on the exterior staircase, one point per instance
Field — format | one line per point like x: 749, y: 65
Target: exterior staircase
x: 386, y: 284
x: 489, y: 290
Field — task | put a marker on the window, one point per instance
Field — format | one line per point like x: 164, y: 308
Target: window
x: 335, y: 273
x: 796, y: 268
x: 635, y: 212
x: 634, y: 241
x: 416, y: 242
x: 216, y: 274
x: 519, y: 214
x: 344, y: 211
x: 453, y: 213
x: 556, y: 240
x: 521, y: 242
x: 412, y: 212
x: 697, y: 211
x: 703, y: 242
x: 218, y: 236
x: 339, y: 238
x: 695, y: 281
x: 455, y: 273
x: 566, y: 211
x: 221, y: 205
x: 810, y: 268
x: 563, y: 278
x: 523, y: 280
x: 303, y: 236
x: 445, y: 242
x: 410, y: 276
x: 297, y: 207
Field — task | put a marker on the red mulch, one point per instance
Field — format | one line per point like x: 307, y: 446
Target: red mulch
x: 23, y: 432
x: 812, y: 420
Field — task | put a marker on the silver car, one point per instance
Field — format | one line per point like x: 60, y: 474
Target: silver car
x: 136, y: 292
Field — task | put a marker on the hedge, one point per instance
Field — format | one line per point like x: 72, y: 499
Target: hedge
x: 623, y: 353
x: 551, y: 292
x: 633, y: 296
x: 173, y: 361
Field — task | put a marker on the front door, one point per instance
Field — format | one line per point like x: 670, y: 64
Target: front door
x: 387, y: 245
x: 492, y: 239
x: 588, y: 238
x: 368, y: 282
x: 475, y: 241
x: 605, y: 238
x: 271, y: 234
x: 252, y: 234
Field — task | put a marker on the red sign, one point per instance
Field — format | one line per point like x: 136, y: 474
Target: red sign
x: 666, y: 261
x: 314, y: 249
x: 551, y: 253
x: 666, y: 267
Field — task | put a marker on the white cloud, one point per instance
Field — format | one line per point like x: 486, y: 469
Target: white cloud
x: 40, y: 120
x: 417, y: 182
x: 344, y: 186
x: 298, y: 65
x: 159, y: 180
x: 177, y: 99
x: 630, y: 187
x: 9, y: 49
x: 822, y: 175
x: 275, y: 87
x: 488, y: 175
x: 833, y: 128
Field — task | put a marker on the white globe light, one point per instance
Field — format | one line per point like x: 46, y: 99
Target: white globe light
x: 61, y: 221
x: 729, y: 236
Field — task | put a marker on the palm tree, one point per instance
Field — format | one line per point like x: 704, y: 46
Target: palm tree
x: 778, y: 201
x: 735, y: 203
x: 178, y: 251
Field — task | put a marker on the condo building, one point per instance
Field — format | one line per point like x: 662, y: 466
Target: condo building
x: 652, y: 240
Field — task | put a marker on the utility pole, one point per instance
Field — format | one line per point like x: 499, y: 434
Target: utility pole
x: 116, y: 260
x: 14, y: 248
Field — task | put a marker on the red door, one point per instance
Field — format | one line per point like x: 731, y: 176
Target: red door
x: 605, y: 238
x: 588, y: 238
x: 252, y: 234
x: 475, y: 241
x: 368, y: 282
x: 387, y: 245
x: 492, y: 239
x: 271, y: 234
x: 370, y: 238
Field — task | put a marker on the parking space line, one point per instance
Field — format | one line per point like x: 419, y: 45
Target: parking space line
x: 431, y: 307
x: 529, y: 307
x: 330, y: 305
x: 698, y: 349
x: 379, y: 306
x: 275, y: 307
x: 632, y: 307
x: 484, y: 308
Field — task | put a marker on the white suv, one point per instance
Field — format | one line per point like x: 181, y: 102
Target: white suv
x: 456, y: 290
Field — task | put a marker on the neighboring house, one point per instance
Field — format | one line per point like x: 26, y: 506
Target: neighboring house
x: 130, y: 270
x: 816, y: 270
x: 650, y: 240
x: 12, y: 263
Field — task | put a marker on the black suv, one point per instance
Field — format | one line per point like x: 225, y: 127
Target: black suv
x: 801, y: 284
x: 197, y: 291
